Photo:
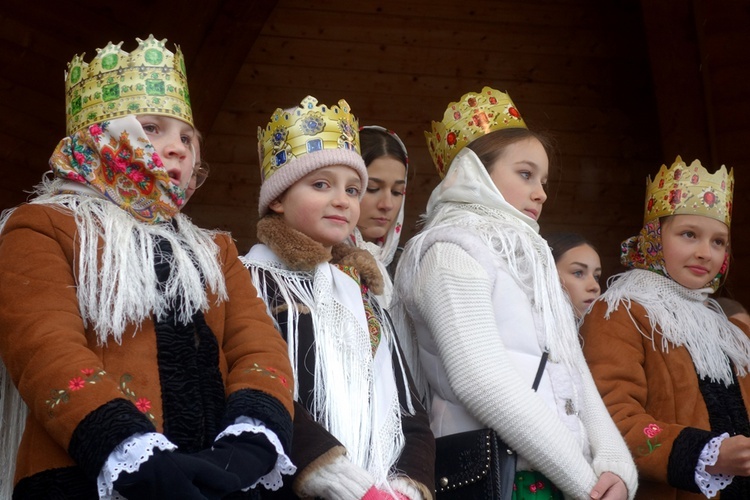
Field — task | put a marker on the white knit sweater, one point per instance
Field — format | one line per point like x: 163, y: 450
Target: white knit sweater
x: 479, y: 343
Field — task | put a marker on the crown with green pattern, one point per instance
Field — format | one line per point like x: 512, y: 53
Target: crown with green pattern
x: 149, y: 80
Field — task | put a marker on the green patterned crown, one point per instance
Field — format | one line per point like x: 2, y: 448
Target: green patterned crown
x: 149, y: 80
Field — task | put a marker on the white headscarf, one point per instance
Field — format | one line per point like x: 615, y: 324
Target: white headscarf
x: 385, y: 251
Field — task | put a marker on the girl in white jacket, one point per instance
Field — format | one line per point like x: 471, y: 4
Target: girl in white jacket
x: 480, y: 288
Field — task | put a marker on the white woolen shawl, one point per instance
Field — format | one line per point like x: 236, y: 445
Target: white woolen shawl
x: 683, y: 317
x: 355, y: 395
x: 467, y: 197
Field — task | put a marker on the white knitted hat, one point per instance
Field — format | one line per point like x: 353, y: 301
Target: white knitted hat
x: 300, y: 140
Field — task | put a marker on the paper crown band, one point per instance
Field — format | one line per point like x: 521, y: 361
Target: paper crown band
x: 474, y: 115
x: 305, y: 129
x: 149, y: 80
x: 690, y: 190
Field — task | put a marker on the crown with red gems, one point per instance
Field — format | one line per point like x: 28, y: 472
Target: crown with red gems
x: 149, y: 80
x: 690, y: 190
x: 474, y: 115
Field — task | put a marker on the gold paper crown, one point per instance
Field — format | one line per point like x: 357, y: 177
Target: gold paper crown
x: 149, y: 80
x: 305, y: 129
x: 475, y: 115
x: 690, y: 190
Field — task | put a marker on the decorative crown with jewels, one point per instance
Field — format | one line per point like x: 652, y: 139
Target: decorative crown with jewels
x: 690, y: 190
x: 305, y: 129
x: 149, y: 80
x: 474, y: 115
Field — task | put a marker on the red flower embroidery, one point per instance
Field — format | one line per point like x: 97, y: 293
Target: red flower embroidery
x: 451, y: 138
x: 677, y: 174
x: 652, y: 430
x: 532, y: 488
x: 457, y: 115
x: 137, y: 176
x: 87, y: 372
x: 143, y: 405
x: 539, y: 485
x: 284, y: 381
x: 95, y: 130
x: 76, y: 384
x: 493, y: 100
x: 694, y: 179
x: 157, y: 160
x: 79, y: 158
x: 472, y: 102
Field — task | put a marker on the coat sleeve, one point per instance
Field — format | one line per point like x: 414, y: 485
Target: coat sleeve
x: 664, y: 451
x: 259, y: 377
x: 43, y: 341
x: 456, y: 303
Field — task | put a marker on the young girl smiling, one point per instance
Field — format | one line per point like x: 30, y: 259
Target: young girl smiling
x: 671, y: 368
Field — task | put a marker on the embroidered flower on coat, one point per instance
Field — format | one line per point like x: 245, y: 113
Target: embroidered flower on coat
x: 651, y: 431
x: 272, y: 373
x: 143, y: 404
x: 60, y: 396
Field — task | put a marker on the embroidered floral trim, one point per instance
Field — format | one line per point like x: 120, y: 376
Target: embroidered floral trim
x: 143, y: 404
x: 60, y: 396
x: 270, y: 372
x: 373, y: 323
x: 652, y: 443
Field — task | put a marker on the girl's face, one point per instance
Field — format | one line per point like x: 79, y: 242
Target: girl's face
x: 520, y: 174
x: 580, y: 270
x: 323, y: 205
x: 694, y: 248
x: 383, y: 199
x: 172, y: 139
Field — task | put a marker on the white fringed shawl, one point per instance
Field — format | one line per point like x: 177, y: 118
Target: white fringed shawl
x: 683, y: 317
x: 355, y: 395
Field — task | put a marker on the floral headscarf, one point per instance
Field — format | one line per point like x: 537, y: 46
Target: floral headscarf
x: 116, y: 159
x: 645, y: 251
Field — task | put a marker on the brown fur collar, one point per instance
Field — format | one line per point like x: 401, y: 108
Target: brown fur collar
x: 301, y: 253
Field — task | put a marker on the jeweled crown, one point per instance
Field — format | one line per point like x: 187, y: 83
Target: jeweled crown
x: 690, y: 190
x: 305, y: 129
x: 149, y: 80
x: 474, y: 115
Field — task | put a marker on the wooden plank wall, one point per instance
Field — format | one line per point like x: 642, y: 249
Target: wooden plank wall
x: 575, y: 68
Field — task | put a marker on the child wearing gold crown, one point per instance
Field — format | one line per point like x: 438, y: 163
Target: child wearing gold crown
x: 358, y: 433
x: 479, y: 286
x: 672, y: 369
x: 138, y: 361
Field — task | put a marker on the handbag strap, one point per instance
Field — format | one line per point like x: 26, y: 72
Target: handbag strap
x: 540, y: 370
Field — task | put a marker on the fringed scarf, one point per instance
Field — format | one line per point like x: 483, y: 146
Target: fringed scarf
x: 683, y: 317
x: 468, y: 198
x: 109, y: 178
x: 355, y: 395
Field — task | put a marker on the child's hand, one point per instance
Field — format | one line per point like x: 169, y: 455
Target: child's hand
x: 734, y: 457
x: 609, y: 487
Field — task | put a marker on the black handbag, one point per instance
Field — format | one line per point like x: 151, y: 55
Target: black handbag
x: 476, y: 464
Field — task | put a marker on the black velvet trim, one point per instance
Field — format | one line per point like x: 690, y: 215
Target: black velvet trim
x: 68, y: 483
x: 256, y: 404
x: 684, y: 458
x: 727, y: 413
x: 102, y: 430
x: 193, y: 398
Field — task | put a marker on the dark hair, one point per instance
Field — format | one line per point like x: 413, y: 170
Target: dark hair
x: 376, y: 143
x: 492, y: 146
x: 562, y: 242
x: 730, y: 306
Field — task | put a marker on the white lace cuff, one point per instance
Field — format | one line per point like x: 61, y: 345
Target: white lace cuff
x: 128, y: 457
x: 711, y: 484
x: 284, y: 465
